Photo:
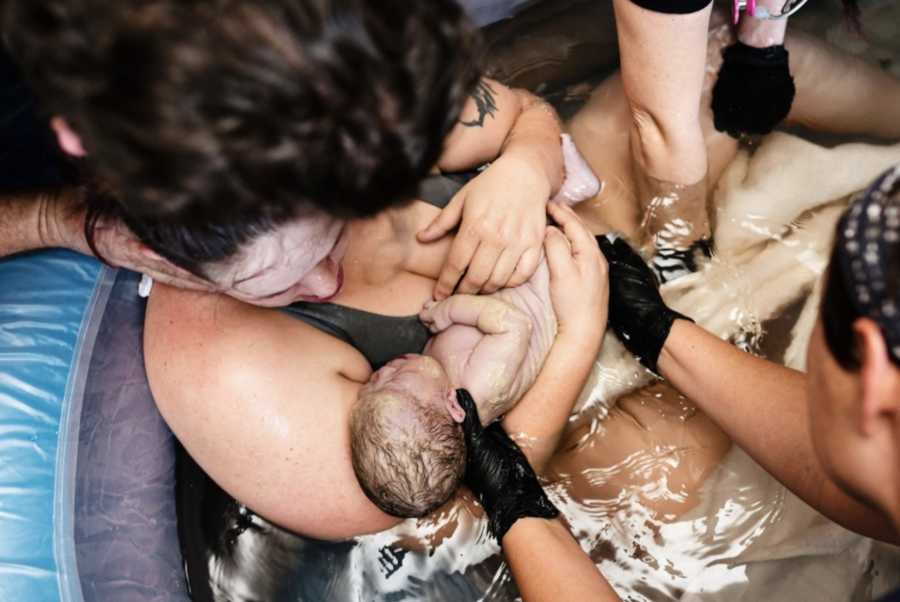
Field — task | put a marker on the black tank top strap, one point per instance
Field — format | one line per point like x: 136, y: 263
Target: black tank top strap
x: 379, y: 338
x: 437, y: 190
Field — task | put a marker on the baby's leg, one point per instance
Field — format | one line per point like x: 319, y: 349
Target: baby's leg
x: 654, y: 445
x: 837, y: 92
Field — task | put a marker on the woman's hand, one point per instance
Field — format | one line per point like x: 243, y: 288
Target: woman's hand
x: 58, y: 220
x: 502, y: 218
x: 579, y: 286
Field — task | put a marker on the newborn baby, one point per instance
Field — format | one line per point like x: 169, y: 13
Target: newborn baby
x: 405, y: 435
x: 406, y: 441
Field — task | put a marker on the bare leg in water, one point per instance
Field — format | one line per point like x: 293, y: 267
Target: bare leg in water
x: 835, y: 93
x: 653, y: 443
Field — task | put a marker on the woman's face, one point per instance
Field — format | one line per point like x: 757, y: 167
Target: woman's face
x: 834, y: 400
x: 297, y: 261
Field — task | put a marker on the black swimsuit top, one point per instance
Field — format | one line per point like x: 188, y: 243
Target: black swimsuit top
x: 378, y: 337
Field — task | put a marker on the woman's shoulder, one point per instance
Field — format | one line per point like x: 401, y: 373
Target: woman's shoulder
x: 261, y: 400
x: 214, y: 337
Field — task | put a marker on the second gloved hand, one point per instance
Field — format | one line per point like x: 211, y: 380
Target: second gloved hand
x: 754, y: 90
x: 637, y: 312
x: 499, y: 474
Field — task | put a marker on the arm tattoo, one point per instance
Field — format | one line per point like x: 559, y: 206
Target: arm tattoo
x: 484, y: 102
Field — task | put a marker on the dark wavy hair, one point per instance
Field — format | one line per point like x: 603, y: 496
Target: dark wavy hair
x: 852, y: 14
x: 193, y: 246
x: 222, y: 108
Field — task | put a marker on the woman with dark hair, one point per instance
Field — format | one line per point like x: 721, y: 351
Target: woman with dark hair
x: 831, y: 435
x: 289, y: 385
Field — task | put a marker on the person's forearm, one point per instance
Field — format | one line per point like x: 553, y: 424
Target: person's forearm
x: 39, y: 220
x: 762, y: 406
x: 538, y: 420
x: 548, y: 564
x: 762, y: 33
x: 663, y: 58
x: 535, y: 138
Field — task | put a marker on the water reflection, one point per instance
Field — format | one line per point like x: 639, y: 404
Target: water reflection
x: 654, y: 491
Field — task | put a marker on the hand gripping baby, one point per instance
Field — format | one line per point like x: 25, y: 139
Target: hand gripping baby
x: 407, y: 442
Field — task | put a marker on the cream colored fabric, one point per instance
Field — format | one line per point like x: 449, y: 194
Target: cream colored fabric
x: 751, y: 540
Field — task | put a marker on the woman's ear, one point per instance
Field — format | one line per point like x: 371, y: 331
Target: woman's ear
x: 456, y: 410
x: 68, y: 140
x: 876, y: 374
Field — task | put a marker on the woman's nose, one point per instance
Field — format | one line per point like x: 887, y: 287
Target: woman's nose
x: 323, y: 281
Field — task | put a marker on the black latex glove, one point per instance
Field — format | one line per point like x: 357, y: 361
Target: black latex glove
x: 637, y: 312
x: 754, y: 90
x: 499, y: 474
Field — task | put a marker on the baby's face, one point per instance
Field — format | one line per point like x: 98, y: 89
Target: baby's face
x: 411, y: 381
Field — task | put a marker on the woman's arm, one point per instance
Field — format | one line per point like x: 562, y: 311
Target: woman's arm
x: 261, y: 401
x: 498, y: 120
x: 501, y: 213
x: 663, y: 58
x: 43, y: 219
x: 546, y: 561
x: 578, y: 285
x: 763, y: 407
x: 50, y: 219
x: 549, y: 565
x: 759, y: 404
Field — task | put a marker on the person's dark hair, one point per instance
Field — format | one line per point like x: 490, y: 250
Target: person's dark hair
x: 408, y: 473
x: 838, y: 316
x: 193, y: 246
x: 838, y: 309
x: 852, y: 14
x: 220, y: 108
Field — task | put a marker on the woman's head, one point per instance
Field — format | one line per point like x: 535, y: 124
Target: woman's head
x: 253, y: 258
x: 206, y: 110
x: 854, y: 355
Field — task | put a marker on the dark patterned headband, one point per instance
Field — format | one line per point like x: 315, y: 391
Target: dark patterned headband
x: 867, y: 241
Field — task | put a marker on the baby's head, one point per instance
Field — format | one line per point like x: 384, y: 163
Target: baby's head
x: 405, y: 437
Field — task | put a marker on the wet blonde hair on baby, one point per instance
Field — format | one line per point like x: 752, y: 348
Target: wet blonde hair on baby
x: 409, y: 457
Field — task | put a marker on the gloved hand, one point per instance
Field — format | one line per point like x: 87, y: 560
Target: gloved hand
x: 499, y: 474
x: 754, y: 90
x: 637, y: 312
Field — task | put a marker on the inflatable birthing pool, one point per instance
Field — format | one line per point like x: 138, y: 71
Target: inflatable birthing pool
x: 87, y: 480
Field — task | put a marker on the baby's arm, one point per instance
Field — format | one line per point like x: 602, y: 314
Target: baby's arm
x: 488, y: 367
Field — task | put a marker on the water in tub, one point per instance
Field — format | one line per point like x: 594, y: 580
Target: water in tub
x: 667, y: 508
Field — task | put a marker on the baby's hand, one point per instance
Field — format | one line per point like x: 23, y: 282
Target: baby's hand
x: 503, y: 215
x: 579, y: 286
